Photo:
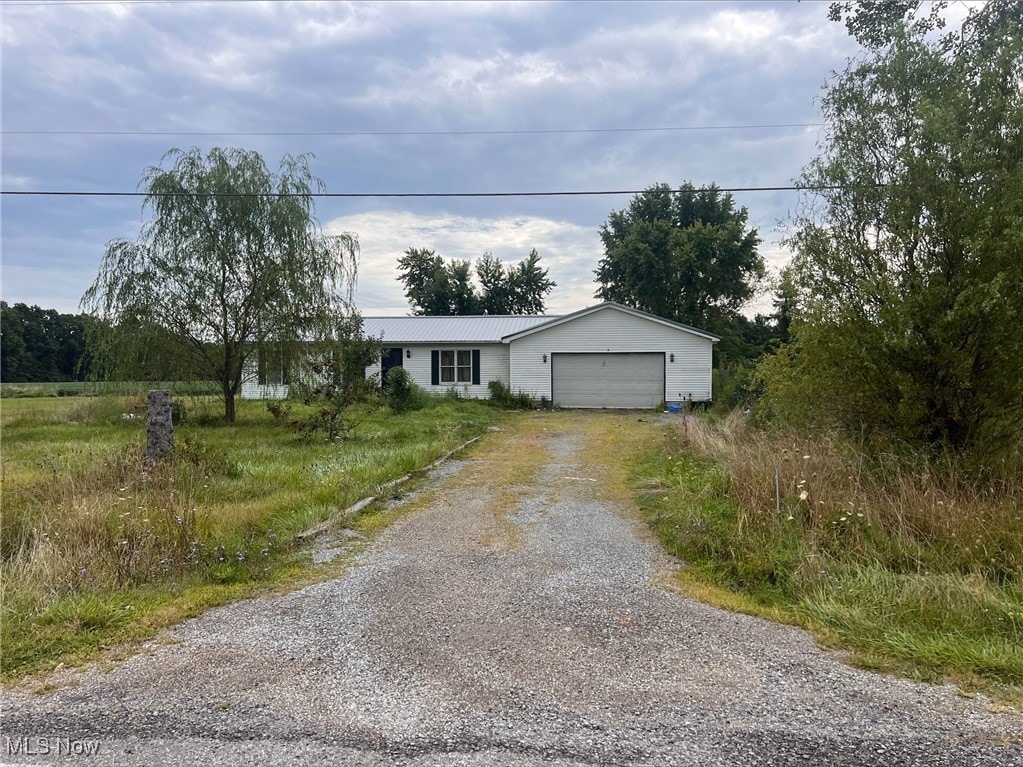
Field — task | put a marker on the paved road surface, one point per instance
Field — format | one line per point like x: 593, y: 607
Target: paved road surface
x: 513, y: 618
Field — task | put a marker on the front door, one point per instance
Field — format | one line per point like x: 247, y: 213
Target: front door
x: 391, y: 359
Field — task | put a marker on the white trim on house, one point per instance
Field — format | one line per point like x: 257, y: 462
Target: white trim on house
x: 555, y: 321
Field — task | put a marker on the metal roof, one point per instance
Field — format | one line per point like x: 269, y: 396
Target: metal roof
x: 449, y: 330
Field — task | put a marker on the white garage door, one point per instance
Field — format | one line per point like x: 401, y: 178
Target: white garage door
x: 608, y: 380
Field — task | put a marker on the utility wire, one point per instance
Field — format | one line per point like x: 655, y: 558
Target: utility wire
x: 57, y: 3
x: 524, y: 132
x: 349, y: 195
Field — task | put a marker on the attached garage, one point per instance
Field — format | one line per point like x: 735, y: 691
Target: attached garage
x: 607, y: 380
x: 611, y: 356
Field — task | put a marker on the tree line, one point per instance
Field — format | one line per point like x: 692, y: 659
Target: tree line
x: 41, y: 344
x: 686, y: 254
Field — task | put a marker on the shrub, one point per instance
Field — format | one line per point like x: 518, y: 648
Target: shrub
x: 402, y: 393
x: 280, y: 410
x: 502, y: 396
x: 338, y: 373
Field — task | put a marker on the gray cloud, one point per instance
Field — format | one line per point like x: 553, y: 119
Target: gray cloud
x: 250, y: 67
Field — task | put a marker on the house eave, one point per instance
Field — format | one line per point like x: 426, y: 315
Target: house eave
x: 609, y: 305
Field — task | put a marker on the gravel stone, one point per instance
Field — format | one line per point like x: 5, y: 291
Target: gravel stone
x: 456, y: 641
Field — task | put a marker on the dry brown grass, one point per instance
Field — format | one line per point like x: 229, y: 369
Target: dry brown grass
x: 914, y: 564
x: 935, y: 514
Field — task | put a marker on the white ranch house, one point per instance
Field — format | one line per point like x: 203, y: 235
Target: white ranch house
x: 604, y: 356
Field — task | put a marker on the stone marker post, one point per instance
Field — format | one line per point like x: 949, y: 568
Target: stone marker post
x: 159, y: 427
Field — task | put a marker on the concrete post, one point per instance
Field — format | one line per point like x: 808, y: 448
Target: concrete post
x: 159, y: 427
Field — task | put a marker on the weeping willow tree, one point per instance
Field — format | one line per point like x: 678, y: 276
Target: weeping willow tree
x: 230, y: 262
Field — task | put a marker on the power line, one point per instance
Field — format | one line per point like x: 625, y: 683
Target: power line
x: 351, y: 195
x: 510, y: 132
x: 57, y: 3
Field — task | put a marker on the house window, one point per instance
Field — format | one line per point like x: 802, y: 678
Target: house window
x: 272, y: 369
x: 451, y: 367
x: 455, y: 366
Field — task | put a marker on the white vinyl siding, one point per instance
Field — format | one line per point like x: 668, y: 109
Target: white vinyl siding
x: 608, y: 380
x: 521, y: 358
x: 493, y: 366
x: 253, y: 390
x: 255, y: 386
x: 611, y: 330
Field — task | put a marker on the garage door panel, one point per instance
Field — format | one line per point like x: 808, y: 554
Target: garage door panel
x: 626, y: 380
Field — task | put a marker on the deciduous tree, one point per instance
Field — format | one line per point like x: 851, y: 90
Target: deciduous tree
x: 40, y: 344
x: 436, y: 287
x: 908, y: 271
x: 684, y: 254
x: 231, y: 259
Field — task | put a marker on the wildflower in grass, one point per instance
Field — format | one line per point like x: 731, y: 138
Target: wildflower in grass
x: 804, y: 495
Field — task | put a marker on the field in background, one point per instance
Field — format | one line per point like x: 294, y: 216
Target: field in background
x: 909, y: 562
x: 96, y: 551
x: 102, y: 389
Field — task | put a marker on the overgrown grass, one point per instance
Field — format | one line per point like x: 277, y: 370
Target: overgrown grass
x: 103, y: 388
x: 913, y: 564
x: 97, y: 551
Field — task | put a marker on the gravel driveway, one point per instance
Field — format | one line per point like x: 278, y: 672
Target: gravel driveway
x: 513, y: 617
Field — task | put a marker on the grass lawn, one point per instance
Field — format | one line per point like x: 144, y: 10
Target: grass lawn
x: 97, y: 552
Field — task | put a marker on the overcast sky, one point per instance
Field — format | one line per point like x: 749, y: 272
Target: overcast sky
x: 94, y: 92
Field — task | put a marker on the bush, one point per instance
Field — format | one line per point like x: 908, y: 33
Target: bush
x: 401, y: 393
x: 280, y: 410
x: 733, y: 387
x: 502, y: 396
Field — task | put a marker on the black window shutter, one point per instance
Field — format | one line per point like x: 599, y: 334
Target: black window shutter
x: 476, y: 367
x: 435, y: 367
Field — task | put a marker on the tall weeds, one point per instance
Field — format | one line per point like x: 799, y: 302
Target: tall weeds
x: 904, y: 557
x: 106, y: 523
x: 909, y: 512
